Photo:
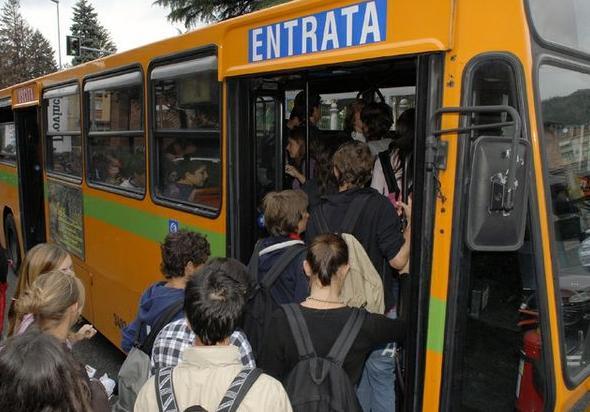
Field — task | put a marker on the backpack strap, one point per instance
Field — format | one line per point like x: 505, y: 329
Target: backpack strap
x: 356, y: 208
x: 281, y: 264
x: 253, y: 264
x: 347, y: 337
x: 299, y: 330
x: 318, y: 217
x: 164, y: 319
x: 165, y: 390
x: 238, y: 389
x: 388, y: 173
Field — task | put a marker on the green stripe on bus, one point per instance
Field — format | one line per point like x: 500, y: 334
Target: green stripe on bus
x: 143, y: 224
x: 436, y: 324
x: 9, y: 178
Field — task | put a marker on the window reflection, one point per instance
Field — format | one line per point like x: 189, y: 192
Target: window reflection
x: 7, y: 143
x: 565, y: 96
x: 564, y: 22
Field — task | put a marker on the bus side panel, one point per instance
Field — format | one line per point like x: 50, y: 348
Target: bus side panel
x: 123, y: 239
x: 121, y: 266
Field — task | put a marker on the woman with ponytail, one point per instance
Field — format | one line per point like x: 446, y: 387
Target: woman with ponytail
x: 42, y: 258
x: 55, y: 301
x: 325, y: 314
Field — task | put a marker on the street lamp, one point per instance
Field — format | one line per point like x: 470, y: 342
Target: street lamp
x: 58, y: 34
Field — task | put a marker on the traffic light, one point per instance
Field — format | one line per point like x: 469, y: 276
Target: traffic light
x: 72, y: 46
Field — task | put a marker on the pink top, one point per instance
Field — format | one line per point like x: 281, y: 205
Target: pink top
x: 28, y: 319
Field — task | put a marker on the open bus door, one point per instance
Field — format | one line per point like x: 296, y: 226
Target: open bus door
x: 29, y: 152
x: 256, y: 150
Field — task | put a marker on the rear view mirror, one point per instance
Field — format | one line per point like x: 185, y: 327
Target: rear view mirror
x: 496, y: 214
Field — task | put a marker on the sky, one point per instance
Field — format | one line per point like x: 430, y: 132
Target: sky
x: 132, y: 23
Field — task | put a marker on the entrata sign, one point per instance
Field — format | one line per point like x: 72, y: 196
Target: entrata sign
x: 355, y: 25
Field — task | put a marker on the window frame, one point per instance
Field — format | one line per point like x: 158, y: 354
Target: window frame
x: 154, y: 134
x: 571, y: 381
x: 117, y: 133
x: 549, y: 44
x: 65, y: 177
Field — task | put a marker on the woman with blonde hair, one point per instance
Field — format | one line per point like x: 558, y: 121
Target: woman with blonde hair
x: 42, y: 258
x: 55, y: 301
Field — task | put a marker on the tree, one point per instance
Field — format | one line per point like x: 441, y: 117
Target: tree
x: 14, y: 36
x: 25, y: 54
x: 191, y: 12
x: 91, y: 33
x: 40, y: 55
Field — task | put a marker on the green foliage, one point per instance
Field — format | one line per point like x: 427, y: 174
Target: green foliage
x: 91, y: 33
x: 40, y: 55
x: 25, y: 54
x: 571, y: 110
x: 191, y: 12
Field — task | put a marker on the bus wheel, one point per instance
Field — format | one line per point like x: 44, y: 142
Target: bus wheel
x: 12, y: 246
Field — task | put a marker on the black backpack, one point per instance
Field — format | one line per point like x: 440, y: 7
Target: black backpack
x: 320, y: 384
x: 230, y: 402
x: 261, y: 304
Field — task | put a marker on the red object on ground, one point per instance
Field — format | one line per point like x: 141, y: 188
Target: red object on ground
x: 528, y: 397
x: 3, y: 287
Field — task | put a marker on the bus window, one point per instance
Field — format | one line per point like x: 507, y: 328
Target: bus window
x: 566, y: 142
x: 116, y: 144
x: 64, y: 150
x: 563, y: 22
x: 7, y: 143
x: 186, y: 130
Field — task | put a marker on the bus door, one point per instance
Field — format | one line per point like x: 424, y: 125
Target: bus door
x: 256, y: 149
x: 30, y: 150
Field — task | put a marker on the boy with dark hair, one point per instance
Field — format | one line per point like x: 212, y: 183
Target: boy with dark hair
x: 182, y: 253
x: 378, y: 229
x: 175, y: 337
x: 192, y: 175
x: 213, y: 306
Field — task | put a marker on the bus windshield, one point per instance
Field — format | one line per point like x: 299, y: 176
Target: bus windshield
x: 563, y: 22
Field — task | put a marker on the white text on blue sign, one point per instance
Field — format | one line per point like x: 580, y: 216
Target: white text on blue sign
x: 354, y: 25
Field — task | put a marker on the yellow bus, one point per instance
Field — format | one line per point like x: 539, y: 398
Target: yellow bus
x: 498, y: 303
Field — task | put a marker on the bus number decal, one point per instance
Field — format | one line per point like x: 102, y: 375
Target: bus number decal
x: 355, y: 25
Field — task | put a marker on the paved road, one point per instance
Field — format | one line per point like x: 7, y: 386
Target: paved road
x: 97, y: 352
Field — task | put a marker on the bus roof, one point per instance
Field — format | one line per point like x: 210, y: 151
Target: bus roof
x: 301, y: 33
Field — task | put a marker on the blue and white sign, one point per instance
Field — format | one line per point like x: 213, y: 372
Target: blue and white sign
x: 173, y: 226
x: 354, y: 25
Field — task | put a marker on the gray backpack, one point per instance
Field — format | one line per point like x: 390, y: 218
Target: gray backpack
x: 136, y: 369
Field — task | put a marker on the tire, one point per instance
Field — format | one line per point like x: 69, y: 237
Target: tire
x: 12, y: 245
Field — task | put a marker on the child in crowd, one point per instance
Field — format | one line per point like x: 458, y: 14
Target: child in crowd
x: 325, y: 314
x: 193, y: 174
x: 175, y: 337
x: 182, y: 253
x: 213, y: 306
x: 55, y: 300
x: 285, y: 218
x: 297, y: 154
x: 39, y: 374
x: 42, y: 258
x: 377, y: 118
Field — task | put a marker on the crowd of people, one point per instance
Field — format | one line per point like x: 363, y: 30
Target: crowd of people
x: 286, y: 332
